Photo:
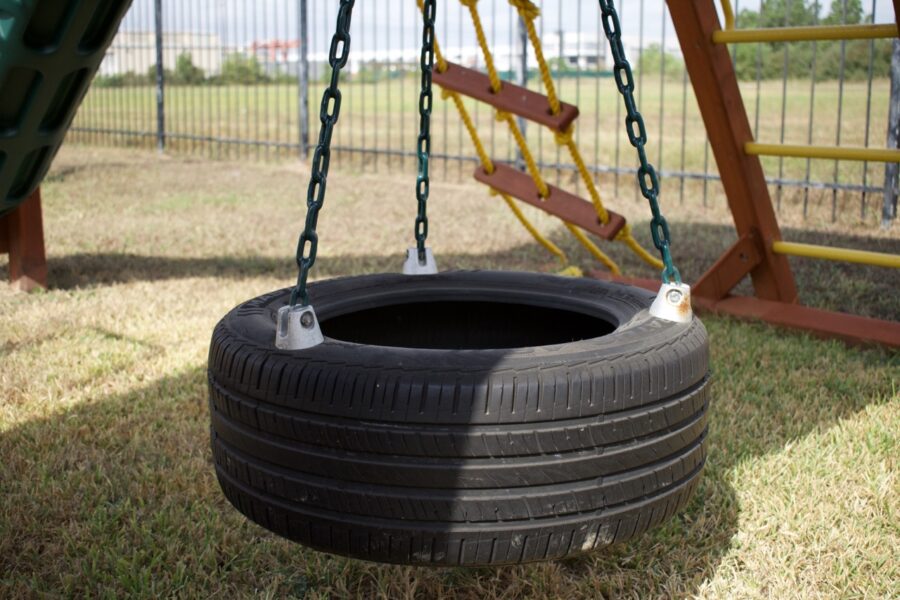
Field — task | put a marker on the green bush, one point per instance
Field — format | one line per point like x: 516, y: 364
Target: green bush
x: 186, y: 72
x: 129, y: 79
x: 654, y: 59
x: 242, y: 69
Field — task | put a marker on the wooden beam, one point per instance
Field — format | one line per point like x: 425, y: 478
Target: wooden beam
x: 730, y: 269
x: 897, y: 13
x: 851, y: 329
x: 24, y: 229
x: 560, y: 203
x: 722, y: 108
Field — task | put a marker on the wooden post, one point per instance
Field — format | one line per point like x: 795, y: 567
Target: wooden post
x: 896, y: 14
x: 719, y: 98
x: 22, y: 235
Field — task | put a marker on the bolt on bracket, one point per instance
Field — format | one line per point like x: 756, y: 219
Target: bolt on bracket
x: 297, y: 328
x: 673, y: 303
x: 412, y: 266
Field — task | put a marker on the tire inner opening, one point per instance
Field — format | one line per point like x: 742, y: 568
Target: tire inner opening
x: 464, y: 325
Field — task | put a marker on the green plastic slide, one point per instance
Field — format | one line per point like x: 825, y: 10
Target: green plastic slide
x: 49, y: 52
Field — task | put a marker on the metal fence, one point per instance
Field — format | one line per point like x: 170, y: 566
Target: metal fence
x: 236, y: 78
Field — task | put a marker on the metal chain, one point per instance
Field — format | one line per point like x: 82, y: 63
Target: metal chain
x: 328, y: 115
x: 423, y: 146
x: 647, y: 177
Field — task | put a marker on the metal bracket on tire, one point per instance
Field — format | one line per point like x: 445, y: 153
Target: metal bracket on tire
x: 297, y: 328
x: 673, y: 303
x: 412, y: 266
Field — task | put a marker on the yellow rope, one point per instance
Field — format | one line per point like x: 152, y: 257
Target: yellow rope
x: 440, y: 63
x: 539, y: 238
x: 496, y: 82
x: 488, y: 165
x: 529, y: 12
x: 530, y: 163
x: 566, y: 139
x: 486, y: 162
x: 544, y: 191
x: 624, y: 234
x: 571, y: 271
x: 626, y: 238
x: 591, y: 247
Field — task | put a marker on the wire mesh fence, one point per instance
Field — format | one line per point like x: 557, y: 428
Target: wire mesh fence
x: 222, y: 78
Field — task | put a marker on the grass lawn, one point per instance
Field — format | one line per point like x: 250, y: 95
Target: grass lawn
x: 106, y: 478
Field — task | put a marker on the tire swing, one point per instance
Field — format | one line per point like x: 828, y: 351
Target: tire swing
x: 460, y: 418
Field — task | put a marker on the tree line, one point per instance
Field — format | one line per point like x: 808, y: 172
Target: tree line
x: 851, y: 60
x: 236, y: 68
x: 824, y: 60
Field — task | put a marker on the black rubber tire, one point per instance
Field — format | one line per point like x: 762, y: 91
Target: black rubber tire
x: 460, y: 456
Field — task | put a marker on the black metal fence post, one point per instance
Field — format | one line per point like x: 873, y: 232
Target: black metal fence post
x: 160, y: 78
x: 303, y: 79
x: 891, y: 170
x: 521, y: 71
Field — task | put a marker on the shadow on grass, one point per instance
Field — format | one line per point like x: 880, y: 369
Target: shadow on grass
x: 118, y: 496
x: 845, y: 287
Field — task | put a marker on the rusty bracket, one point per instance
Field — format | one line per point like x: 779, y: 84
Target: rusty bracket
x: 559, y: 203
x: 511, y: 97
x: 732, y: 266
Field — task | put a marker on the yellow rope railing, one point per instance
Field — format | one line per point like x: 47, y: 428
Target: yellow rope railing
x: 522, y: 144
x: 530, y: 163
x: 488, y: 165
x: 529, y: 12
x: 496, y: 82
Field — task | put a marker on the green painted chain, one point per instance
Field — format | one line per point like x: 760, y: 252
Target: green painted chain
x: 647, y: 177
x: 328, y: 115
x: 423, y: 146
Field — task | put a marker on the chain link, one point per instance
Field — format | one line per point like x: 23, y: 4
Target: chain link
x: 637, y: 135
x: 328, y: 116
x: 423, y: 146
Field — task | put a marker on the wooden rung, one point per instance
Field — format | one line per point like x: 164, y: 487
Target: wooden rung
x: 560, y: 203
x: 511, y: 98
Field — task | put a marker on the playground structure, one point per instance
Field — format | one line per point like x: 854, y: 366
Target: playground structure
x: 22, y: 238
x: 377, y: 436
x: 759, y: 252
